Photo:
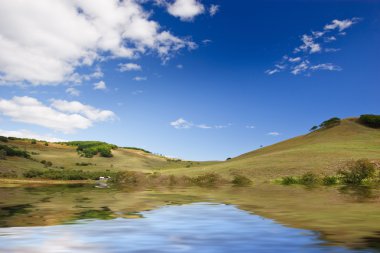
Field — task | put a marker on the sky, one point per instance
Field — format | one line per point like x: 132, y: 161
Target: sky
x: 191, y: 79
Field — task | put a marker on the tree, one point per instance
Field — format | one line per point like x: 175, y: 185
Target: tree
x: 313, y: 128
x: 330, y: 123
x: 3, y: 154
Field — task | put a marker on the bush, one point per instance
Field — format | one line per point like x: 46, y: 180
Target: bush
x: 8, y: 174
x: 90, y: 148
x: 129, y: 178
x: 33, y: 141
x: 208, y: 179
x: 309, y: 178
x: 313, y: 128
x: 3, y: 154
x: 240, y: 180
x: 46, y: 144
x: 330, y: 123
x: 14, y: 151
x: 289, y: 180
x: 3, y: 139
x: 356, y: 172
x: 370, y: 120
x: 65, y: 174
x: 329, y: 180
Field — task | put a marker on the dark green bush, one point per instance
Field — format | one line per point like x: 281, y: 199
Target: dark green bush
x: 33, y: 141
x: 90, y: 148
x: 3, y: 139
x: 329, y: 180
x: 370, y: 120
x: 240, y: 180
x: 330, y: 123
x: 8, y: 174
x: 289, y: 180
x: 309, y: 178
x: 356, y: 172
x: 313, y: 128
x: 14, y: 151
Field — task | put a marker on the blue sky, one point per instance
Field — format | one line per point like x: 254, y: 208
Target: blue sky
x: 198, y: 80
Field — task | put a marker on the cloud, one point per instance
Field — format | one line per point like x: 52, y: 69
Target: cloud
x: 181, y: 124
x: 184, y: 124
x: 250, y: 127
x: 186, y: 10
x: 273, y: 133
x: 100, y: 85
x: 140, y: 78
x: 179, y: 66
x: 204, y: 126
x: 45, y: 42
x: 72, y: 91
x: 341, y: 24
x: 129, y: 67
x: 30, y: 135
x: 214, y: 9
x: 206, y: 41
x: 60, y: 116
x: 326, y: 66
x: 301, y: 59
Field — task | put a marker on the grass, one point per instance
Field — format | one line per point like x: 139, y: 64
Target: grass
x: 323, y: 151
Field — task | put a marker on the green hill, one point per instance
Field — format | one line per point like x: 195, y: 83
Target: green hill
x: 321, y: 151
x: 86, y: 156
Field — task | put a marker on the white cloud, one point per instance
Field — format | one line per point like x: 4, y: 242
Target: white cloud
x: 184, y: 124
x: 44, y: 42
x: 30, y: 135
x: 274, y: 133
x: 129, y: 67
x: 204, y: 126
x: 140, y: 78
x: 186, y: 10
x: 250, y: 127
x: 341, y: 24
x: 181, y: 124
x: 272, y: 71
x: 302, y: 67
x: 61, y: 115
x: 214, y: 9
x: 101, y: 85
x: 72, y: 91
x: 295, y: 59
x: 206, y: 41
x: 326, y: 66
x: 301, y: 60
x: 179, y: 66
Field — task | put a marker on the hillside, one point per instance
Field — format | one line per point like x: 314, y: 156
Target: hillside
x: 66, y: 157
x: 321, y: 151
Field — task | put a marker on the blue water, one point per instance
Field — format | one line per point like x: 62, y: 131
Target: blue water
x: 199, y: 228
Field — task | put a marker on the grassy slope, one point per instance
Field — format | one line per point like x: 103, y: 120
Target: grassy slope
x: 322, y: 151
x: 67, y: 157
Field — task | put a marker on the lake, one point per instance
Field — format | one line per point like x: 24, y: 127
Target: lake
x: 225, y: 219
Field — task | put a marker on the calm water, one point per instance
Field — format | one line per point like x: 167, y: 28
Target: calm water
x: 199, y: 227
x: 84, y: 220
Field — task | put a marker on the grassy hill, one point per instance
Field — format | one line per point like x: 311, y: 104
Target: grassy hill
x: 321, y: 151
x: 65, y: 157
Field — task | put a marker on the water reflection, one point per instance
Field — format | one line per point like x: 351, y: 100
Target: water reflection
x: 200, y: 227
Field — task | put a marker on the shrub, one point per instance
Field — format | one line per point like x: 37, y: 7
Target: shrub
x: 356, y: 172
x: 329, y: 180
x: 33, y: 141
x: 208, y: 179
x: 3, y: 154
x: 65, y: 174
x: 240, y: 180
x: 130, y: 178
x: 309, y: 178
x: 370, y: 120
x: 33, y: 173
x: 8, y: 174
x: 313, y: 128
x: 14, y: 151
x: 3, y: 139
x: 46, y: 144
x: 90, y: 148
x: 289, y: 180
x: 330, y: 123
